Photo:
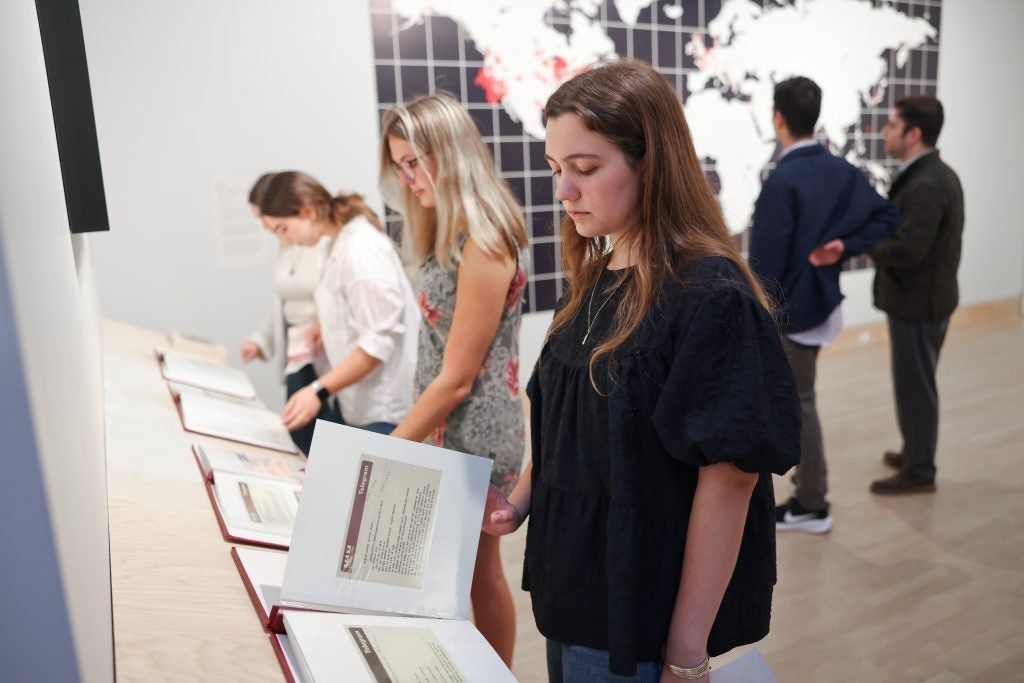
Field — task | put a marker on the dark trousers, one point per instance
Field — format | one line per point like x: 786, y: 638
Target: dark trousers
x: 915, y: 355
x: 810, y: 477
x: 378, y: 427
x: 303, y: 436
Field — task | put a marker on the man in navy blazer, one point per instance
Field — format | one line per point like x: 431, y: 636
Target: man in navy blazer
x: 812, y: 199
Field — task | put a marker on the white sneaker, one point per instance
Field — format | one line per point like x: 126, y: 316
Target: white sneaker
x: 792, y: 516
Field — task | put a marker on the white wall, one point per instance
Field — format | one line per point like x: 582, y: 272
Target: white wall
x: 979, y: 85
x: 54, y: 546
x: 979, y: 74
x: 189, y: 92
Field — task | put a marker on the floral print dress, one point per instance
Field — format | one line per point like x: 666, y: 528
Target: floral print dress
x: 488, y: 423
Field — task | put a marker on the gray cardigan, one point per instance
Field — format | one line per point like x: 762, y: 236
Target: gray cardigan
x: 270, y: 336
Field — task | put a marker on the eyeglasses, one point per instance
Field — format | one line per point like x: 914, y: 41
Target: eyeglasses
x: 406, y: 167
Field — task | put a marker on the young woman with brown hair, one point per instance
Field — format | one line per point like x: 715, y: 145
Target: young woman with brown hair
x: 466, y: 232
x: 292, y: 315
x: 660, y: 406
x: 368, y: 319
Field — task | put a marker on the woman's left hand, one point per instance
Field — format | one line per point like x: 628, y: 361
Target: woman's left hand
x: 314, y: 339
x: 500, y: 516
x: 301, y: 408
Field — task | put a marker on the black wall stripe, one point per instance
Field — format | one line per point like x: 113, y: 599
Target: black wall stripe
x: 60, y: 28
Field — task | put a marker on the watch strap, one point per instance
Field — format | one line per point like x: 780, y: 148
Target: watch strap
x: 321, y: 390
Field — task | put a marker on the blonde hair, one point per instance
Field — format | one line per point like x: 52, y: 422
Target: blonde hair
x: 285, y: 194
x: 469, y: 195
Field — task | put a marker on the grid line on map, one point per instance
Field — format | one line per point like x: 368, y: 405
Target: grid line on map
x: 436, y: 53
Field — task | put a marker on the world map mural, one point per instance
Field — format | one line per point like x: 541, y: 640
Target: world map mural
x: 502, y: 58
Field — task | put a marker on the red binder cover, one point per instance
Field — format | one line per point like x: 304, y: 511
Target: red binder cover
x: 272, y: 620
x: 280, y: 643
x: 207, y: 476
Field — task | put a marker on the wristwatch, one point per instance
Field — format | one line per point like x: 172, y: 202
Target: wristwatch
x: 321, y: 391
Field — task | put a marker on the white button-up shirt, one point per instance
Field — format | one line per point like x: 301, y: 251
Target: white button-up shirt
x: 364, y: 300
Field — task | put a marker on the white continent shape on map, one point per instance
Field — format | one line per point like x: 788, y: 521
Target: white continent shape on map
x: 754, y: 48
x: 524, y: 58
x: 838, y: 43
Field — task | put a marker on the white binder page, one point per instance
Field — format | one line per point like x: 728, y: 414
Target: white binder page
x: 386, y: 525
x: 285, y: 467
x: 350, y: 648
x: 233, y: 419
x: 220, y: 378
x: 256, y: 507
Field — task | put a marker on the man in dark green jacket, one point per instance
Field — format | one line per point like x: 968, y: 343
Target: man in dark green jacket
x: 915, y: 284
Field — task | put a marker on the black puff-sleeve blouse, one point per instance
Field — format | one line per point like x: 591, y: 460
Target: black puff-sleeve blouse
x: 704, y: 380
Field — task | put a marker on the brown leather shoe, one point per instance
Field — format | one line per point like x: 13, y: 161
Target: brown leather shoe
x: 893, y: 460
x: 900, y: 485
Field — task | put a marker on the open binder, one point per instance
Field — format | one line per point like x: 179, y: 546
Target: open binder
x: 226, y: 417
x: 284, y: 467
x: 254, y: 510
x: 194, y: 346
x: 377, y: 578
x: 218, y: 377
x: 364, y: 624
x: 386, y: 526
x: 254, y: 498
x: 350, y: 648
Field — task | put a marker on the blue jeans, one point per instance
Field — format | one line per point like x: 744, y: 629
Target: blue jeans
x: 378, y: 427
x: 295, y: 381
x: 578, y: 664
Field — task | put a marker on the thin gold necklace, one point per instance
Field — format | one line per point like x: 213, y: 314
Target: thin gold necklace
x: 590, y: 303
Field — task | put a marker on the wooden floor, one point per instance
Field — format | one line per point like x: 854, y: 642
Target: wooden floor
x: 918, y: 588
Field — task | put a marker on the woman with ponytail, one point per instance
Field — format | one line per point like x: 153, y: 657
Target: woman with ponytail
x: 661, y: 404
x: 367, y: 315
x: 291, y: 317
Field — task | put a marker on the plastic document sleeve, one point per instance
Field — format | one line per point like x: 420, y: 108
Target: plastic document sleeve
x: 253, y: 510
x: 386, y: 526
x: 222, y: 379
x: 290, y: 468
x: 226, y: 417
x: 350, y: 648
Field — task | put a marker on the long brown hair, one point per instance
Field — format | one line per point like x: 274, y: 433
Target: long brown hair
x: 677, y: 216
x: 258, y: 188
x: 469, y: 195
x: 287, y: 193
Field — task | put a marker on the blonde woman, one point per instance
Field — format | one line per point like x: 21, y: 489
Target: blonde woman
x: 466, y: 231
x: 367, y: 315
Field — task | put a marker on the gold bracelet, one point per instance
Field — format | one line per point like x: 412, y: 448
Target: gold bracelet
x: 699, y: 671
